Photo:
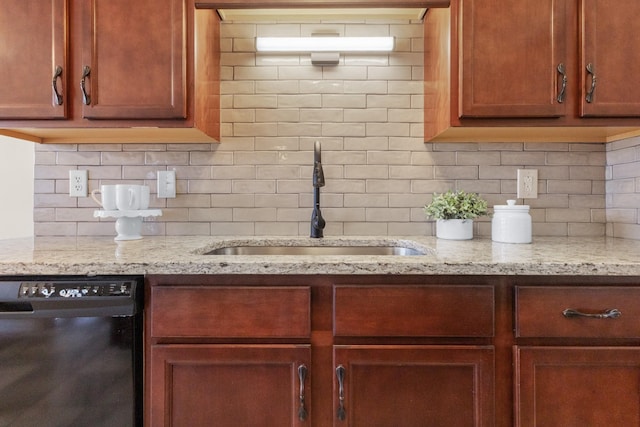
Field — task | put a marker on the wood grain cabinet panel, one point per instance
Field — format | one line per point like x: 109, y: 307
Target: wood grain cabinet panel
x: 231, y: 312
x: 577, y: 386
x: 415, y: 386
x: 137, y: 58
x: 224, y: 385
x: 576, y: 358
x: 609, y: 44
x: 510, y: 53
x: 577, y: 312
x: 414, y: 311
x: 33, y: 57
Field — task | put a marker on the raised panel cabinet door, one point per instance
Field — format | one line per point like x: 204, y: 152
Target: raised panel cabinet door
x: 229, y: 386
x: 33, y: 59
x: 134, y: 59
x: 413, y: 386
x: 577, y: 386
x: 609, y: 62
x: 513, y: 59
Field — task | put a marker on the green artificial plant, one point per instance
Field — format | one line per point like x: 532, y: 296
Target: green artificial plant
x: 456, y: 205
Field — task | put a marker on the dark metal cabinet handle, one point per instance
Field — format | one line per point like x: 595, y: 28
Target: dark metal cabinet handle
x: 302, y: 375
x: 591, y: 70
x: 342, y: 413
x: 612, y: 313
x: 563, y: 72
x: 57, y: 98
x: 86, y: 99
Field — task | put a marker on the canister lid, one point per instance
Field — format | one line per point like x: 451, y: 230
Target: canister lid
x: 512, y: 207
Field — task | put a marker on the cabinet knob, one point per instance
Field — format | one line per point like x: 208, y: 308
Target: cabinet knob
x: 57, y: 98
x: 86, y: 98
x: 592, y: 71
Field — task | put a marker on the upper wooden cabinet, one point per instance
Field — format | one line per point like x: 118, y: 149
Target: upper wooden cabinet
x: 608, y: 60
x: 509, y: 63
x: 123, y: 71
x: 518, y: 70
x: 134, y: 59
x: 33, y: 59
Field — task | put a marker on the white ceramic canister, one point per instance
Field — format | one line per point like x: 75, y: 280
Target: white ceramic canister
x: 511, y: 223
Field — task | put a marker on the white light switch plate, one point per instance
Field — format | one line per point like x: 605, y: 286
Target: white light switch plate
x: 166, y: 184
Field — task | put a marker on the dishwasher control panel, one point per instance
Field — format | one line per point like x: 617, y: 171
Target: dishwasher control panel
x: 75, y: 289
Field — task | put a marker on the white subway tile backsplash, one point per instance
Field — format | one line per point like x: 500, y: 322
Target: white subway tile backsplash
x: 255, y: 101
x: 343, y: 129
x: 321, y: 86
x: 230, y: 59
x: 324, y: 115
x: 299, y: 129
x: 368, y: 114
x: 266, y: 71
x: 277, y: 86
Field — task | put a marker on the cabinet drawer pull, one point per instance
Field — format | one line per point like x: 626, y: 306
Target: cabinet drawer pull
x: 342, y: 413
x: 591, y: 70
x: 302, y: 375
x: 86, y: 98
x: 563, y: 72
x: 612, y: 313
x: 57, y: 98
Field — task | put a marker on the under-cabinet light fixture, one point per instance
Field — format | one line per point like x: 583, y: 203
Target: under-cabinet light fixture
x: 324, y: 44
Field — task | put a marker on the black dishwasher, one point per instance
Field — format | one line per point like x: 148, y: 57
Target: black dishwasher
x: 71, y: 351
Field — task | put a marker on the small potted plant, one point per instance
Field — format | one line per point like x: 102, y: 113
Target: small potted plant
x: 454, y: 212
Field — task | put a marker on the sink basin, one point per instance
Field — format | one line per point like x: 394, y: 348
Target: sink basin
x: 315, y: 250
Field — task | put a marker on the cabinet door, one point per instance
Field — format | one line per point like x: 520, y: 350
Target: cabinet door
x: 414, y: 386
x: 134, y: 59
x: 228, y: 386
x: 609, y: 48
x: 576, y: 387
x: 510, y: 54
x: 33, y: 58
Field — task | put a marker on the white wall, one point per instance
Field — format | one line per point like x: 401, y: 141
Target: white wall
x: 16, y: 188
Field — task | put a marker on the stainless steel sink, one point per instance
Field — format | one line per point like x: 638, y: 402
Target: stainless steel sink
x: 316, y: 250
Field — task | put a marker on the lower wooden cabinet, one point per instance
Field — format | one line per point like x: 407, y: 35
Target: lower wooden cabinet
x: 392, y: 351
x: 229, y: 385
x: 413, y: 386
x: 577, y: 358
x: 577, y: 386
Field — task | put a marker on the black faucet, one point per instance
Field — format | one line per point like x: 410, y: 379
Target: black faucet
x: 317, y: 222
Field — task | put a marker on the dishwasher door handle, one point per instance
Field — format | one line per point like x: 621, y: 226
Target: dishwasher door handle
x: 15, y: 309
x: 99, y: 307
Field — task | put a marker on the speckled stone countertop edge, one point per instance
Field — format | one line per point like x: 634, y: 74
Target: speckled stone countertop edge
x: 186, y: 255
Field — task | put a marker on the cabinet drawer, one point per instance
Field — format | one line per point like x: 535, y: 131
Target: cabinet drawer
x: 580, y: 312
x: 231, y: 312
x: 414, y: 311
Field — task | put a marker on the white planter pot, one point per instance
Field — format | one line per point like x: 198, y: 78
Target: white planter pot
x: 454, y: 229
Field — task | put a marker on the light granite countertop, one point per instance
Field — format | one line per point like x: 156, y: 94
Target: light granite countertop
x: 186, y: 255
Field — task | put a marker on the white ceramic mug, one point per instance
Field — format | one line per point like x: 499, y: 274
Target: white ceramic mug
x: 128, y: 197
x: 107, y: 197
x: 145, y: 193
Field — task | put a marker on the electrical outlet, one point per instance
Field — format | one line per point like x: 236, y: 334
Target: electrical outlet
x: 166, y: 184
x: 527, y: 183
x: 78, y: 183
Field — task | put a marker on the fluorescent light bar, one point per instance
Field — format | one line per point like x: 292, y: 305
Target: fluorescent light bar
x: 324, y: 44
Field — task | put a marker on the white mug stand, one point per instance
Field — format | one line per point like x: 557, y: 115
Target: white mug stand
x: 128, y: 223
